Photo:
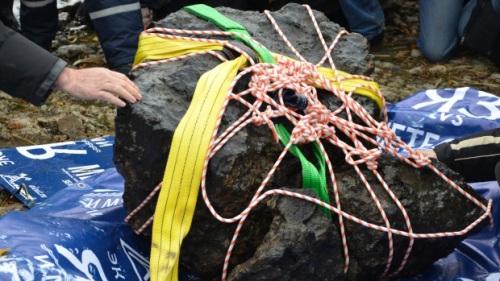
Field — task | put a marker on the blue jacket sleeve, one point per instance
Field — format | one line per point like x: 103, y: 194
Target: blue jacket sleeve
x: 27, y: 71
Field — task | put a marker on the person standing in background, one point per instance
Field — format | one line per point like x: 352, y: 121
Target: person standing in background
x: 445, y: 24
x: 117, y: 23
x: 365, y: 17
x: 33, y: 77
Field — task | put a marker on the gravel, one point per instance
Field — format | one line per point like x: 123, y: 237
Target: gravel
x: 401, y: 70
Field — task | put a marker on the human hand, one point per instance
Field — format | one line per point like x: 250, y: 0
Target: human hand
x: 428, y: 153
x: 98, y: 83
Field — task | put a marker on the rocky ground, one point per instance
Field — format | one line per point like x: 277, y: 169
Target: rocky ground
x: 400, y: 71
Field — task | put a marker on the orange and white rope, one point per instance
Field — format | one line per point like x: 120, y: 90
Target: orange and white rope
x: 315, y: 124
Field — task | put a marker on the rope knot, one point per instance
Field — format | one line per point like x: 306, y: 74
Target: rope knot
x: 319, y: 113
x: 304, y: 132
x: 369, y: 157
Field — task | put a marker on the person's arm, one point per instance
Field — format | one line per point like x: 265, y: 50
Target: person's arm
x: 474, y: 156
x: 98, y: 83
x: 26, y: 70
x: 29, y: 72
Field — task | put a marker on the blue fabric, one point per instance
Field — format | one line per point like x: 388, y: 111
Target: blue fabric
x: 46, y: 169
x: 442, y: 23
x: 118, y: 32
x: 433, y: 116
x: 364, y: 16
x: 76, y: 233
x: 79, y: 233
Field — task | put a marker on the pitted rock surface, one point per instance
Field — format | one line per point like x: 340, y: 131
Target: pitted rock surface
x: 272, y: 236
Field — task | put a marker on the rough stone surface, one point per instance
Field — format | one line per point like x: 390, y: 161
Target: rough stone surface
x: 301, y: 244
x: 271, y: 237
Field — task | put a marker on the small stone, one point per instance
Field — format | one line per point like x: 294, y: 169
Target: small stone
x: 416, y: 70
x: 415, y: 53
x: 495, y: 76
x: 71, y: 126
x: 438, y: 69
x: 74, y: 51
x: 18, y: 124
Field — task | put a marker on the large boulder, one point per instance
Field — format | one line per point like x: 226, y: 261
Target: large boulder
x: 284, y: 238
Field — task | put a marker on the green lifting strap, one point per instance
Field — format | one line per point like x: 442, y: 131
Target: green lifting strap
x: 312, y: 178
x: 208, y: 13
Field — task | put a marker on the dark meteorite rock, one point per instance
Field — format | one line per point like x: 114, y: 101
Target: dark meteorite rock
x: 281, y: 239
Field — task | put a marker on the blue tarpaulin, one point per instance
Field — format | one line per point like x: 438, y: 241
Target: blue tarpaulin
x: 74, y: 228
x: 45, y: 169
x: 76, y: 234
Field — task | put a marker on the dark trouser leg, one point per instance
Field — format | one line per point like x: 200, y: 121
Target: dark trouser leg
x: 118, y: 24
x: 39, y: 21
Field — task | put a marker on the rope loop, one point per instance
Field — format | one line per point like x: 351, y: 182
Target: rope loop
x: 369, y: 157
x: 268, y: 88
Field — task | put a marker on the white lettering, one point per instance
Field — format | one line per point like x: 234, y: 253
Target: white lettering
x: 112, y: 258
x: 102, y: 142
x: 136, y: 260
x: 44, y: 262
x: 84, y: 172
x: 91, y: 204
x: 38, y: 191
x: 117, y: 274
x: 415, y: 133
x: 111, y: 202
x: 489, y: 105
x: 457, y: 121
x: 427, y: 138
x: 67, y: 182
x: 4, y: 160
x: 47, y: 151
x: 89, y: 261
x: 447, y: 102
x: 398, y: 127
x: 492, y: 107
x: 92, y: 146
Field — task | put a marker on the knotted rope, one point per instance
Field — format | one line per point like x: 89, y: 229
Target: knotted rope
x: 315, y: 124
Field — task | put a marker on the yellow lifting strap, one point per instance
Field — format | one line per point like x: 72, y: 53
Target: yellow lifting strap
x: 177, y: 200
x: 157, y: 48
x: 182, y: 178
x: 152, y: 48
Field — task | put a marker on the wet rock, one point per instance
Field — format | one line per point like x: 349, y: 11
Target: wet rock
x: 299, y: 245
x: 71, y: 126
x: 280, y: 231
x: 74, y: 51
